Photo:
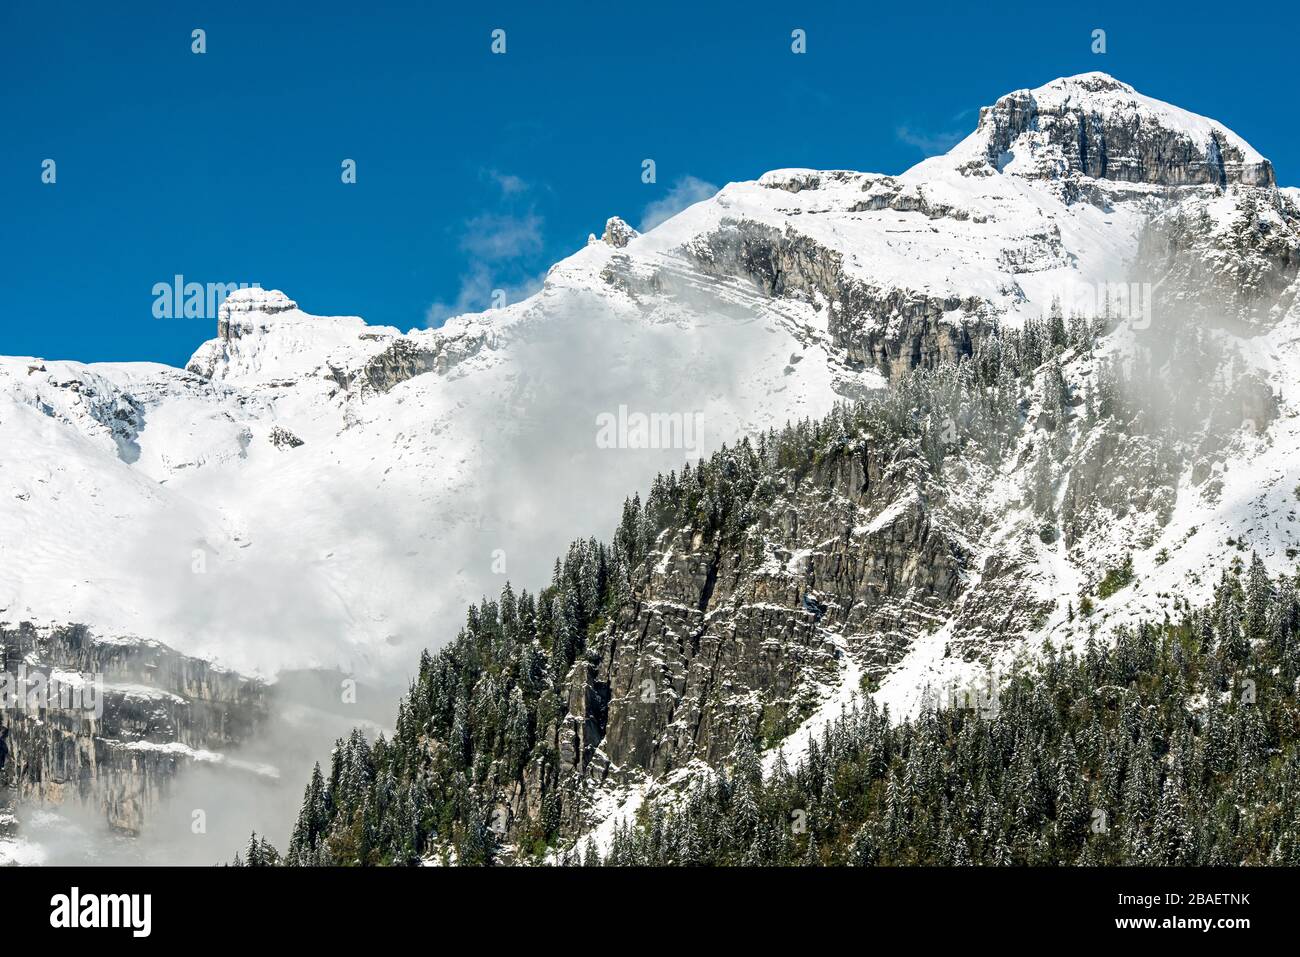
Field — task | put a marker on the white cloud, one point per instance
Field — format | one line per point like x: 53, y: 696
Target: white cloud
x: 687, y: 191
x: 509, y: 183
x: 494, y: 241
x: 495, y: 236
x: 931, y: 144
x: 475, y: 295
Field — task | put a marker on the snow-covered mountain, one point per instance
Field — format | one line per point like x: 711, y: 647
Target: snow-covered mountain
x: 308, y: 473
x: 315, y: 491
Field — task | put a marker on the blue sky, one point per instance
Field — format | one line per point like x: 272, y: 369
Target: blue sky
x: 476, y: 171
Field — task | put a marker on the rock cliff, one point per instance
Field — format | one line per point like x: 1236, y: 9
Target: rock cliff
x: 141, y: 713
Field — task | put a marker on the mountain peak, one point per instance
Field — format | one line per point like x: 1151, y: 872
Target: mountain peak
x: 1093, y: 125
x: 618, y: 233
x: 254, y: 299
x: 1094, y: 81
x: 262, y: 334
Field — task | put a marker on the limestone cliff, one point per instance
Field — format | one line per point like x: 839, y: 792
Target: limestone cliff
x: 116, y: 752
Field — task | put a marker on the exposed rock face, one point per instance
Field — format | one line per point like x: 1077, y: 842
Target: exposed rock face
x: 264, y: 338
x: 832, y: 581
x: 855, y: 557
x: 404, y: 359
x: 890, y: 328
x: 1095, y: 126
x: 239, y: 314
x: 159, y: 711
x: 110, y: 412
x: 283, y: 439
x: 879, y: 192
x: 1087, y: 138
x: 1114, y: 473
x: 1230, y: 260
x: 618, y: 233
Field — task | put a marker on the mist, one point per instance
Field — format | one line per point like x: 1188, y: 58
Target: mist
x: 341, y: 574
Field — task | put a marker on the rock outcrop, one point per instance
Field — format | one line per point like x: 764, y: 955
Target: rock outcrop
x: 132, y: 715
x: 283, y: 439
x: 242, y: 312
x: 1231, y: 260
x: 890, y: 328
x: 618, y: 233
x: 854, y: 558
x: 1095, y: 126
x: 406, y: 358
